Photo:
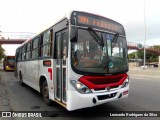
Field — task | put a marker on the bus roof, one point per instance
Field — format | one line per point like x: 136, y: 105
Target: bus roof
x: 68, y: 16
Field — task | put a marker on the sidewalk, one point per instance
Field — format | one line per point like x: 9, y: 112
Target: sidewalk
x: 148, y: 72
x: 4, y: 101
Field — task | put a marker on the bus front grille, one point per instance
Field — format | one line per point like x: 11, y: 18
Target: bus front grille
x: 108, y: 96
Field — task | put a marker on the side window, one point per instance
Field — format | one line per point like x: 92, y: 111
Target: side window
x: 46, y: 44
x: 46, y: 38
x: 58, y: 46
x: 28, y: 52
x: 35, y: 49
x: 65, y: 47
x: 20, y: 54
x: 17, y: 55
x: 24, y: 52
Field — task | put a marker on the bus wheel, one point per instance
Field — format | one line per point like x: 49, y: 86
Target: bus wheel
x: 45, y: 93
x: 21, y: 79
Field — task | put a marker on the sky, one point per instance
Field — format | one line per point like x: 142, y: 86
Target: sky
x: 137, y: 16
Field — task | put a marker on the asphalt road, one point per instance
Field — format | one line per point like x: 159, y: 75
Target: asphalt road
x: 144, y: 96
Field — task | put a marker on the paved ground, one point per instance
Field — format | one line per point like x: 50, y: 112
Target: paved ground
x: 148, y: 72
x: 4, y: 99
x: 139, y: 98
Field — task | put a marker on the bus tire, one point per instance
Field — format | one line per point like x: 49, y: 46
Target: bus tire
x: 21, y: 79
x: 45, y: 93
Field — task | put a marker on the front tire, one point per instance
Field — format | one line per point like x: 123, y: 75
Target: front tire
x: 45, y: 94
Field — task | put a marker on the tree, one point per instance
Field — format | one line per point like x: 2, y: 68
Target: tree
x: 156, y: 47
x: 149, y: 56
x: 1, y: 52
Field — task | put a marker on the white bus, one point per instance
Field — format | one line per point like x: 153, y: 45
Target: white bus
x: 81, y: 61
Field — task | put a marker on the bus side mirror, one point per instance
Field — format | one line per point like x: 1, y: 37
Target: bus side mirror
x: 74, y: 34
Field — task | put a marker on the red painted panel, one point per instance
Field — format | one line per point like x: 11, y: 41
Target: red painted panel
x: 100, y: 82
x: 50, y: 71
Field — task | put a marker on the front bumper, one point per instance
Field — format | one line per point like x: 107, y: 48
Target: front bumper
x: 9, y: 68
x: 78, y: 101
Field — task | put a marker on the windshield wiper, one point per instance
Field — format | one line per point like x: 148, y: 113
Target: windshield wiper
x: 96, y: 36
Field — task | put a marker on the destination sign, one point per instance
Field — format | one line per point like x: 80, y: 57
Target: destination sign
x: 86, y: 19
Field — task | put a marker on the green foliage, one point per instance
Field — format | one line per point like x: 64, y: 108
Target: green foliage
x: 131, y: 55
x: 157, y: 47
x: 149, y: 56
x: 1, y: 52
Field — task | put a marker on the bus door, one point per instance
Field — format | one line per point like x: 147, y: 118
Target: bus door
x: 61, y: 55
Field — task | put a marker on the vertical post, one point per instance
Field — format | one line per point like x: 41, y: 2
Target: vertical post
x: 136, y: 58
x: 159, y: 61
x: 0, y: 31
x: 144, y: 35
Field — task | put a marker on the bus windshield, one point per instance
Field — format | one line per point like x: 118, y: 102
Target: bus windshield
x: 10, y: 59
x: 91, y: 57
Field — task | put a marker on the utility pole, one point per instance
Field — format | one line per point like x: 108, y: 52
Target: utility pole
x: 144, y: 36
x: 0, y: 31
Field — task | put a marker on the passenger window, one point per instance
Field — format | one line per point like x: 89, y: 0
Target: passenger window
x: 65, y: 47
x: 35, y: 48
x: 24, y: 52
x: 46, y: 44
x: 20, y: 54
x: 28, y: 53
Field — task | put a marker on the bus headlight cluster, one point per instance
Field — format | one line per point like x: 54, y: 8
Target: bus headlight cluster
x: 80, y: 87
x: 125, y: 83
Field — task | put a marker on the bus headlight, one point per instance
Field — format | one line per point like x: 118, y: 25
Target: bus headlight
x: 125, y: 83
x: 80, y: 87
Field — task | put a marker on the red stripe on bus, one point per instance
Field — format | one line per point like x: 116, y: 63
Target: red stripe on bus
x: 99, y: 82
x: 50, y: 72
